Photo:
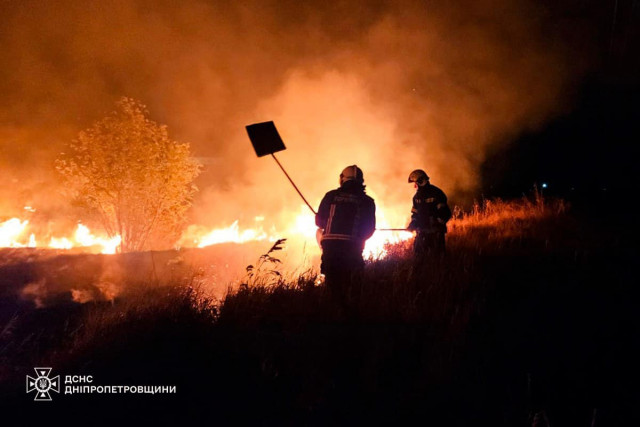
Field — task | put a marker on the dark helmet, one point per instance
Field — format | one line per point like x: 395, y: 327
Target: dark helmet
x: 418, y: 176
x: 351, y: 172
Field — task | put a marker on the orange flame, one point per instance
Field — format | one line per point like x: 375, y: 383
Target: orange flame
x: 13, y: 231
x: 10, y: 231
x: 302, y: 229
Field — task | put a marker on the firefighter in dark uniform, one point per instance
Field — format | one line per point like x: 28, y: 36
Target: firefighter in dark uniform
x: 429, y: 215
x: 346, y: 218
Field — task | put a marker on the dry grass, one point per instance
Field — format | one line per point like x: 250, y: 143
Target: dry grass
x: 444, y: 339
x: 507, y: 216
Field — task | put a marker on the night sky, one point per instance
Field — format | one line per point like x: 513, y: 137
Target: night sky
x: 589, y: 150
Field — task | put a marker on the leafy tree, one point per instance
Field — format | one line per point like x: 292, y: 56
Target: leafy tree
x: 128, y: 173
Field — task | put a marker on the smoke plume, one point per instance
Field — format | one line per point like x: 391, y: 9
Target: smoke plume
x: 389, y: 86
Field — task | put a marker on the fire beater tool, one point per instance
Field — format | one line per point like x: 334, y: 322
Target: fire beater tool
x: 267, y: 141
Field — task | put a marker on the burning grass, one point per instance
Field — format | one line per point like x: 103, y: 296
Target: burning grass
x: 507, y: 217
x: 496, y: 331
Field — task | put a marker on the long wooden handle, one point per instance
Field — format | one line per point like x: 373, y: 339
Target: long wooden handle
x: 292, y: 183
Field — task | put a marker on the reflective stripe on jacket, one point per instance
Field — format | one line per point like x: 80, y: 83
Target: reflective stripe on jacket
x: 347, y: 214
x: 430, y: 211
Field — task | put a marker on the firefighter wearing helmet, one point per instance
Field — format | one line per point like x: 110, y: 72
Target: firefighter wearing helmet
x: 346, y: 218
x: 429, y: 215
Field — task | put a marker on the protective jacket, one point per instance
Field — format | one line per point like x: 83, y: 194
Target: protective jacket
x: 347, y: 214
x: 430, y: 211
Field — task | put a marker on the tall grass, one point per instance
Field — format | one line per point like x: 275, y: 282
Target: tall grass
x: 443, y: 339
x: 402, y: 288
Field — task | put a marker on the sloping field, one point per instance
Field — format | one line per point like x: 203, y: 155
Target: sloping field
x: 529, y: 318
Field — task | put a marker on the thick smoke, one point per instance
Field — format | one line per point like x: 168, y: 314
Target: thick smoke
x: 390, y: 86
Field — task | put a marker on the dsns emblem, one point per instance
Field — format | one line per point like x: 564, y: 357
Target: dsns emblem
x: 42, y: 384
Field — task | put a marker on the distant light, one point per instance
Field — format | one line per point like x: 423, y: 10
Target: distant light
x: 544, y: 185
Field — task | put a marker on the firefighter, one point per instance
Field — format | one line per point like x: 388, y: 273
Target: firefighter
x: 429, y: 215
x: 346, y: 219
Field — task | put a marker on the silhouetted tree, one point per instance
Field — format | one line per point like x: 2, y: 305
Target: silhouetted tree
x: 126, y: 170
